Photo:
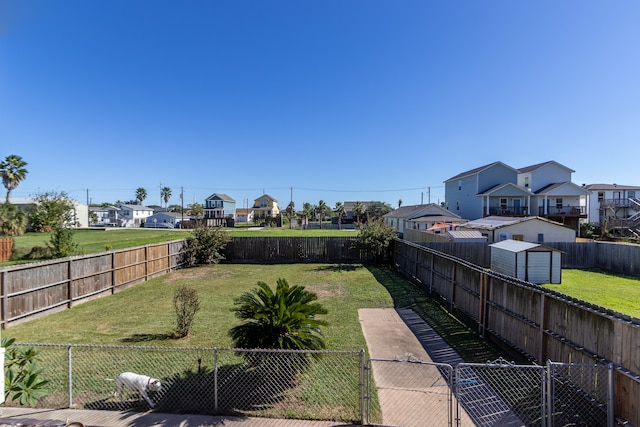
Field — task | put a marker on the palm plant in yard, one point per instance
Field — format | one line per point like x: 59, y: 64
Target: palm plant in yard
x: 13, y: 172
x: 283, y: 319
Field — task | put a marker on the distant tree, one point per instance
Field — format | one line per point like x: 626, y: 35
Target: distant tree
x: 141, y: 194
x: 166, y: 195
x: 291, y: 211
x: 321, y: 210
x: 339, y: 211
x: 307, y: 212
x: 375, y: 237
x: 399, y: 203
x: 196, y: 209
x: 93, y: 217
x: 13, y: 220
x: 286, y: 318
x: 50, y: 211
x: 13, y: 173
x: 377, y: 210
x: 359, y: 209
x: 174, y: 208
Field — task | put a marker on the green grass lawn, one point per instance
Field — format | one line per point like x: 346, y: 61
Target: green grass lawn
x: 615, y: 292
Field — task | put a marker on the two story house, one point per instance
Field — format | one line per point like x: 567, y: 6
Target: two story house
x: 265, y: 207
x: 615, y: 206
x: 543, y: 189
x: 133, y: 215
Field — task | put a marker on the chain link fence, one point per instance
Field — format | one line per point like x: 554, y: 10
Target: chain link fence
x: 313, y: 385
x: 327, y: 385
x: 406, y: 390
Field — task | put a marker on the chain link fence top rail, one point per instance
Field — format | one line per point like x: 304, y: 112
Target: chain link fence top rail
x: 307, y: 385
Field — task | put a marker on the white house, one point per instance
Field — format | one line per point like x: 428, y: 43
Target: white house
x: 164, y: 220
x: 617, y: 205
x: 79, y: 214
x: 527, y: 229
x: 133, y: 215
x: 527, y: 261
x: 244, y: 215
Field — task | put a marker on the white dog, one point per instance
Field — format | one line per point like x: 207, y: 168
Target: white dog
x: 137, y: 383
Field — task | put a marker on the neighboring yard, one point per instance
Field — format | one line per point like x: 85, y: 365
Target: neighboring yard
x: 618, y: 293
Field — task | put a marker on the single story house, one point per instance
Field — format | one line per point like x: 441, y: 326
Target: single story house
x: 164, y: 220
x: 528, y: 229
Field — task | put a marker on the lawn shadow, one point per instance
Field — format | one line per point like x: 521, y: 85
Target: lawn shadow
x: 137, y: 338
x: 339, y: 267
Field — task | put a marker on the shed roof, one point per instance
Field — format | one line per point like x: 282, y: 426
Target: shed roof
x: 519, y: 246
x: 466, y: 234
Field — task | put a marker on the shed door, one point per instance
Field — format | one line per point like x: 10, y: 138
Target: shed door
x: 539, y: 267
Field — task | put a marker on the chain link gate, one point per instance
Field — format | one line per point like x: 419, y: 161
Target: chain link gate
x: 408, y: 393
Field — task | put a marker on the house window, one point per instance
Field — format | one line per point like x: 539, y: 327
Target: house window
x: 559, y: 203
x: 503, y: 203
x: 519, y: 237
x: 457, y: 205
x: 600, y: 196
x: 631, y: 194
x: 540, y: 238
x: 263, y: 203
x: 459, y: 185
x: 526, y: 182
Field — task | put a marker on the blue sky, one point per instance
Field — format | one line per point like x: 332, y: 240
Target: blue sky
x: 314, y: 100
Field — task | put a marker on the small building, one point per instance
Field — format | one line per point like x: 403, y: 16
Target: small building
x: 528, y: 229
x: 465, y: 236
x: 164, y: 220
x: 527, y: 261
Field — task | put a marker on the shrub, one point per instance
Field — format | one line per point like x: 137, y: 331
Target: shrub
x: 206, y: 246
x: 61, y: 243
x: 22, y: 375
x: 375, y: 237
x: 186, y: 304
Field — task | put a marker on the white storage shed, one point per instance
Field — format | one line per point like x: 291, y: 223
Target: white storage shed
x: 532, y: 262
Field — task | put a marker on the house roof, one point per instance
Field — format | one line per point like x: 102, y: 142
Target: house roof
x: 171, y: 214
x: 497, y: 187
x: 520, y: 246
x: 456, y: 220
x: 266, y: 196
x: 549, y: 188
x: 349, y: 206
x: 136, y: 207
x: 612, y: 187
x: 466, y: 234
x: 495, y: 222
x: 540, y: 165
x: 478, y: 170
x: 418, y: 211
x: 243, y: 211
x: 221, y: 197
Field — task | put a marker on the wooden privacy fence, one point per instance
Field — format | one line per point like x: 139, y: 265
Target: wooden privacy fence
x: 540, y: 323
x: 615, y: 257
x: 280, y: 250
x: 31, y: 290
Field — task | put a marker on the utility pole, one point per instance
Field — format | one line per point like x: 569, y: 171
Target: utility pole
x: 182, y: 205
x: 429, y: 195
x: 291, y: 209
x: 88, y: 210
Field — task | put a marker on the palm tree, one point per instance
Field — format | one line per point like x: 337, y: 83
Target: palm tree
x: 13, y: 220
x: 291, y: 210
x: 359, y: 209
x: 399, y: 203
x: 141, y: 194
x: 285, y: 319
x: 13, y: 172
x: 307, y: 210
x: 340, y: 211
x: 166, y: 195
x: 321, y: 209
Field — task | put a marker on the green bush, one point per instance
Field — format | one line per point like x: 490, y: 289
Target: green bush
x: 186, y: 304
x: 205, y: 246
x: 22, y: 381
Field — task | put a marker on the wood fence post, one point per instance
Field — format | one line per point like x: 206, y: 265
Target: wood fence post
x: 69, y: 284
